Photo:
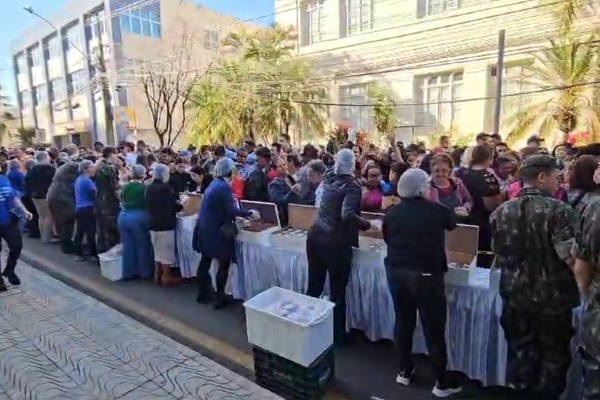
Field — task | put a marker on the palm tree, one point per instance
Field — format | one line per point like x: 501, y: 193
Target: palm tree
x: 566, y: 72
x: 262, y: 93
x: 566, y: 13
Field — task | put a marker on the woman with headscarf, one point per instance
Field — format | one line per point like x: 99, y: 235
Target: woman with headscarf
x: 133, y: 227
x: 61, y: 202
x: 215, y: 232
x: 331, y: 238
x: 162, y: 206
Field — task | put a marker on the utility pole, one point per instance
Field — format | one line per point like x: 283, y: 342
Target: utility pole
x: 106, y: 95
x: 101, y: 70
x: 499, y: 79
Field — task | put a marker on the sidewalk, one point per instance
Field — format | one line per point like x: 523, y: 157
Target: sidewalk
x: 363, y: 370
x: 58, y: 343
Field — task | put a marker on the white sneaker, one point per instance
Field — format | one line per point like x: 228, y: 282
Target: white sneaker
x: 446, y: 389
x: 403, y: 377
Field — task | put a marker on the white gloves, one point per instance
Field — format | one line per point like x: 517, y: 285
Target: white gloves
x: 376, y: 225
x: 254, y: 215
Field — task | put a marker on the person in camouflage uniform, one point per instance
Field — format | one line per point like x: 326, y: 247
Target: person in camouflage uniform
x: 532, y: 239
x: 107, y: 201
x: 586, y: 250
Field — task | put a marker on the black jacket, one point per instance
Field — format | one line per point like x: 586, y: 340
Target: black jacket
x: 256, y: 187
x: 181, y: 182
x: 162, y: 206
x: 339, y: 211
x: 415, y: 232
x: 39, y: 180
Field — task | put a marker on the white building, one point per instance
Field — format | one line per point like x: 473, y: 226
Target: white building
x: 437, y: 56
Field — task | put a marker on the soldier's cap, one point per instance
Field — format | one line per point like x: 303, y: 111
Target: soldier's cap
x: 542, y: 161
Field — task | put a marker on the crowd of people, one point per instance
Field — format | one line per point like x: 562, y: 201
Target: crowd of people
x: 536, y: 211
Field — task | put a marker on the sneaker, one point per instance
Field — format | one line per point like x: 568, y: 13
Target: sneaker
x: 446, y: 389
x: 3, y: 287
x: 81, y: 258
x: 403, y: 377
x: 12, y: 277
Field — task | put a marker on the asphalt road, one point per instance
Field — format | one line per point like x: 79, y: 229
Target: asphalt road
x: 363, y: 370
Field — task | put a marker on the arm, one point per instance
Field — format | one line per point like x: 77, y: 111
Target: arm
x: 351, y: 209
x: 25, y: 211
x: 466, y: 196
x: 231, y: 210
x: 492, y: 197
x: 564, y: 225
x: 395, y: 149
x: 586, y: 236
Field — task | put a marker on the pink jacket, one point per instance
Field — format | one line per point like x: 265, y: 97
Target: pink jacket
x: 463, y: 195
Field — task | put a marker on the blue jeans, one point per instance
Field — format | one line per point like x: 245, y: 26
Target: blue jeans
x: 138, y: 257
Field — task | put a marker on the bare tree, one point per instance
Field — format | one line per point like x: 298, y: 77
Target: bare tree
x: 167, y: 84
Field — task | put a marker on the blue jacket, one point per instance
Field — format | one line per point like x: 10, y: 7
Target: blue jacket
x: 281, y: 194
x: 17, y: 180
x: 217, y: 209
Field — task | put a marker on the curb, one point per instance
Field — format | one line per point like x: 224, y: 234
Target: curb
x: 238, y: 361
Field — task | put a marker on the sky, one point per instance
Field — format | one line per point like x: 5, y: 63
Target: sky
x: 14, y: 20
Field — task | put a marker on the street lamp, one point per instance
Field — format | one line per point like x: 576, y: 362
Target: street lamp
x: 101, y: 67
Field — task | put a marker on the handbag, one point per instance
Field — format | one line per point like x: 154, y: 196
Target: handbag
x: 229, y: 231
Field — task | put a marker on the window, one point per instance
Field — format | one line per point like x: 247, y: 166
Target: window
x: 516, y: 79
x: 438, y: 95
x: 40, y: 95
x: 35, y: 55
x: 358, y: 15
x: 96, y: 25
x: 141, y: 21
x: 52, y: 48
x: 26, y: 100
x: 211, y: 39
x: 313, y: 22
x: 21, y: 64
x: 354, y: 112
x: 72, y: 38
x: 433, y: 7
x: 58, y: 90
x: 77, y: 82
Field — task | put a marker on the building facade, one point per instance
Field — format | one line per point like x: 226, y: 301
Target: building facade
x: 57, y: 68
x: 438, y: 57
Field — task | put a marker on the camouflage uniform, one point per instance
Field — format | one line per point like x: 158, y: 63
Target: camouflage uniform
x: 532, y: 235
x: 587, y: 248
x: 107, y: 206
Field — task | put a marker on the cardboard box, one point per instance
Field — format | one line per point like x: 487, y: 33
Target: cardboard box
x: 461, y: 249
x: 301, y: 217
x: 192, y: 204
x: 269, y: 216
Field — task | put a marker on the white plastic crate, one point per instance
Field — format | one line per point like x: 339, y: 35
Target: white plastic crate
x: 111, y: 264
x: 299, y: 342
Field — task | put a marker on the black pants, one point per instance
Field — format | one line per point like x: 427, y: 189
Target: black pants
x: 327, y: 253
x: 539, y: 352
x: 86, y: 228
x: 32, y: 225
x: 203, y: 275
x: 12, y: 237
x: 411, y: 292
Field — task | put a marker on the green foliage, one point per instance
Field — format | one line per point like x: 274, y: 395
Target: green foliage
x: 570, y: 66
x: 262, y: 92
x: 26, y: 136
x: 384, y: 109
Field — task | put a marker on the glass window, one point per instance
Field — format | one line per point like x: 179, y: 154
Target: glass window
x: 58, y: 90
x: 517, y: 79
x: 73, y: 38
x: 156, y: 30
x: 35, y: 55
x: 147, y: 27
x: 439, y: 95
x: 26, y: 100
x: 314, y: 24
x: 125, y: 23
x: 21, y: 64
x: 40, y: 95
x: 77, y: 82
x: 136, y: 25
x: 353, y: 111
x: 359, y: 15
x: 52, y: 48
x: 433, y: 7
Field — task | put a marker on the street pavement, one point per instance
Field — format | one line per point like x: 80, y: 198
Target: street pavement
x: 58, y: 343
